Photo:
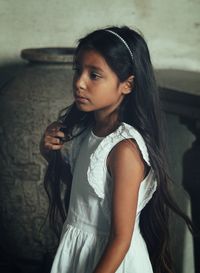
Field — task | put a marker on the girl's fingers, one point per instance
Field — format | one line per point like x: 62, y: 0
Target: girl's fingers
x: 54, y: 127
x: 50, y: 147
x: 55, y: 133
x: 56, y: 147
x: 53, y: 137
x: 52, y: 140
x: 49, y: 141
x: 59, y: 134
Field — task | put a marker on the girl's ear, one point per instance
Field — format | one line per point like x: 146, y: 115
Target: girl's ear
x: 128, y: 85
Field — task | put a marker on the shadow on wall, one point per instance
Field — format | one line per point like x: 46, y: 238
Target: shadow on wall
x: 179, y: 139
x: 191, y: 181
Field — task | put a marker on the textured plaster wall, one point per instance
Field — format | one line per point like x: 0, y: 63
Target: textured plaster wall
x: 172, y: 28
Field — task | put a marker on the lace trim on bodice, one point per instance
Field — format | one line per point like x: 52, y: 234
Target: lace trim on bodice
x: 97, y: 171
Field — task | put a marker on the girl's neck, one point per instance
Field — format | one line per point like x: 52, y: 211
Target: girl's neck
x: 105, y: 125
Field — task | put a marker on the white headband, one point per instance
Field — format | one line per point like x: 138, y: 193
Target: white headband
x: 123, y: 41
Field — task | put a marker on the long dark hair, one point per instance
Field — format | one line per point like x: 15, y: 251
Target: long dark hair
x: 141, y: 109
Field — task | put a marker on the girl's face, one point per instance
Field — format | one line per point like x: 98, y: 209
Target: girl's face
x: 96, y: 86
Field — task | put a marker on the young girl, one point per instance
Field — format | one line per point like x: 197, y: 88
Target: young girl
x: 117, y: 216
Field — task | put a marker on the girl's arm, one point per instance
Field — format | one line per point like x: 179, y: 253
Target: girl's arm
x: 127, y: 169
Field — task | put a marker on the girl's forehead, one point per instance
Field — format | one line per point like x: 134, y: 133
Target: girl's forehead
x: 86, y: 55
x: 91, y: 57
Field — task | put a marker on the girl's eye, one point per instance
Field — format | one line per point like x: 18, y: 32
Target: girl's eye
x: 94, y: 76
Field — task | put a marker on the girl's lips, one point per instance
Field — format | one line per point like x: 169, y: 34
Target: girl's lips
x: 81, y: 99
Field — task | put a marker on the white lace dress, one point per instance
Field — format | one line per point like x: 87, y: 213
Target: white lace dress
x: 86, y: 230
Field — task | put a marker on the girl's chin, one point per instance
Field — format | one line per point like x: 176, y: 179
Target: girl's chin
x: 83, y: 107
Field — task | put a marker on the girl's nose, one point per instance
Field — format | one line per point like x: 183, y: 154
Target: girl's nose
x: 80, y: 82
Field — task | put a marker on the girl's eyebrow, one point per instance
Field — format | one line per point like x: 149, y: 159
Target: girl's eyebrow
x: 94, y: 67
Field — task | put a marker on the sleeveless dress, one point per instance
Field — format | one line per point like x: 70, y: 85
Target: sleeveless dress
x: 86, y: 230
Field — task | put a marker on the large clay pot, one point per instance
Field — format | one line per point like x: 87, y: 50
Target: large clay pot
x: 28, y: 103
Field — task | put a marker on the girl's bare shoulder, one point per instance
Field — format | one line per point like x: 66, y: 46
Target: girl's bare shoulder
x: 126, y: 156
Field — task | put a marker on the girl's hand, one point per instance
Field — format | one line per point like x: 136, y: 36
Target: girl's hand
x: 52, y: 139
